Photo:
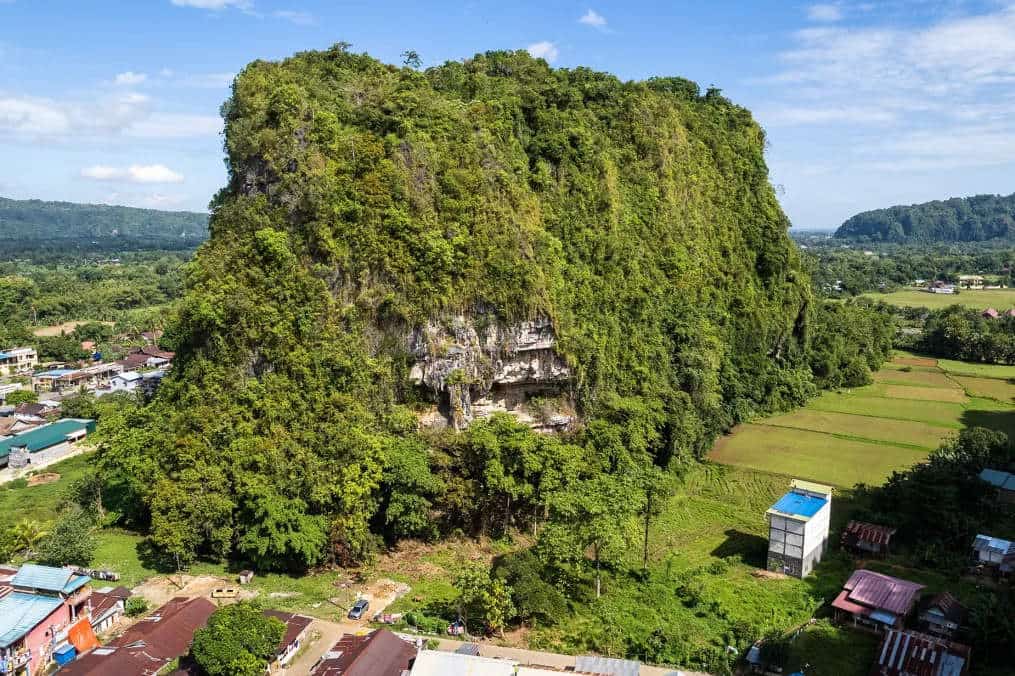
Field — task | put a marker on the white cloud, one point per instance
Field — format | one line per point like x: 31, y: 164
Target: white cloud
x: 128, y: 114
x: 801, y: 115
x: 136, y: 173
x: 593, y: 18
x: 175, y: 125
x: 32, y: 117
x: 825, y: 13
x: 299, y: 18
x: 214, y: 5
x: 129, y: 78
x: 544, y: 50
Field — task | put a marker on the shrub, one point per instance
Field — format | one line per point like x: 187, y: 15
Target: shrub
x: 136, y: 606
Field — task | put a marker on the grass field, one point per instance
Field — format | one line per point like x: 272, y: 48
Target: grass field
x: 864, y: 434
x: 999, y: 299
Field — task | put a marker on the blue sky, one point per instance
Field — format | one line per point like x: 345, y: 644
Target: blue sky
x: 866, y: 104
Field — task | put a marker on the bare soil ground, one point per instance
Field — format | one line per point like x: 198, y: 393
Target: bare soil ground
x: 158, y: 590
x: 44, y: 478
x: 915, y: 361
x: 58, y: 329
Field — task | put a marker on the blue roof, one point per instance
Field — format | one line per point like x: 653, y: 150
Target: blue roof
x: 20, y: 613
x: 883, y: 616
x: 48, y: 578
x: 799, y: 504
x: 1005, y: 480
x: 56, y: 373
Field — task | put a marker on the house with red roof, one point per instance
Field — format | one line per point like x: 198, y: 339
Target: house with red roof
x: 875, y: 600
x: 295, y: 633
x: 863, y: 538
x: 379, y: 653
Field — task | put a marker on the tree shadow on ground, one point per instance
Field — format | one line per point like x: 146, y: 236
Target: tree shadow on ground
x: 750, y: 548
x: 1002, y: 421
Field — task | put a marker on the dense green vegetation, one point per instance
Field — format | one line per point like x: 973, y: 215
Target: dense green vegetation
x: 29, y: 225
x: 239, y: 640
x: 364, y: 199
x: 968, y: 335
x: 960, y: 219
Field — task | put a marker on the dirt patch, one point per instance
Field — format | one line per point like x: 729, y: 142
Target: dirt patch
x: 44, y: 478
x: 159, y: 590
x: 381, y: 594
x: 59, y: 329
x: 769, y: 575
x: 915, y: 361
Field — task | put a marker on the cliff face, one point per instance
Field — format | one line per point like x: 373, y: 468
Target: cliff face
x: 597, y: 257
x: 476, y: 365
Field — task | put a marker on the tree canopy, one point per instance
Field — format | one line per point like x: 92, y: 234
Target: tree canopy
x: 959, y: 219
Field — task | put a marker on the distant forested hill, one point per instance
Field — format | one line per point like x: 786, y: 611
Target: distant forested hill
x: 30, y: 224
x: 960, y: 219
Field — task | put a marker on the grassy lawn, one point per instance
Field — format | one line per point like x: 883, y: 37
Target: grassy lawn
x: 705, y: 549
x: 20, y: 501
x: 863, y: 402
x: 999, y: 299
x: 827, y: 650
x: 918, y: 376
x: 969, y: 369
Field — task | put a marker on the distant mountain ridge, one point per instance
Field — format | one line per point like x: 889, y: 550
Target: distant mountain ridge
x: 28, y: 222
x: 959, y: 219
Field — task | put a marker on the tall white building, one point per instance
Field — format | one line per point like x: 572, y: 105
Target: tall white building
x: 798, y: 528
x: 18, y: 360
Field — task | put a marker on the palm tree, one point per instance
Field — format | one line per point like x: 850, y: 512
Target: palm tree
x: 27, y: 533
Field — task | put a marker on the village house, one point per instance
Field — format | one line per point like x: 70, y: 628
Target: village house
x: 942, y: 614
x: 909, y: 653
x: 295, y: 633
x: 798, y: 528
x: 379, y: 653
x: 435, y: 663
x: 45, y: 381
x: 41, y: 409
x: 45, y: 443
x: 994, y: 553
x: 863, y: 538
x: 971, y: 281
x: 941, y: 287
x: 107, y: 607
x: 1004, y: 482
x: 149, y: 645
x: 876, y: 601
x: 39, y: 608
x: 87, y: 379
x: 146, y: 357
x: 127, y: 381
x: 17, y: 423
x: 18, y: 360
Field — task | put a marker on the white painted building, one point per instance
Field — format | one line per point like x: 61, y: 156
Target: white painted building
x: 18, y: 360
x: 128, y: 381
x: 798, y: 528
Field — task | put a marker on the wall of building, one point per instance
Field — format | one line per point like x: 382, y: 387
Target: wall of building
x: 39, y: 640
x: 816, y: 537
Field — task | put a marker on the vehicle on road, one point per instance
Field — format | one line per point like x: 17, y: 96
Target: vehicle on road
x: 358, y: 609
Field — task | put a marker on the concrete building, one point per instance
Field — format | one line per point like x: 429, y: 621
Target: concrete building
x: 127, y: 381
x: 43, y: 444
x: 798, y: 528
x: 18, y: 360
x: 40, y: 608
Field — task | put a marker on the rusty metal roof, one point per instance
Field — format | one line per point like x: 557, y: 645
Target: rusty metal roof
x: 911, y: 653
x: 860, y: 531
x: 379, y: 653
x: 882, y: 592
x: 295, y: 625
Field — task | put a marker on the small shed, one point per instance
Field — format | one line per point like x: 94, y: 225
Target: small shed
x: 1004, y: 482
x: 994, y: 552
x: 860, y: 537
x: 246, y: 576
x: 942, y: 614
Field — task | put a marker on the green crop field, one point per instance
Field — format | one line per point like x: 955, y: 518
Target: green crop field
x: 865, y: 433
x: 962, y: 368
x: 1000, y: 299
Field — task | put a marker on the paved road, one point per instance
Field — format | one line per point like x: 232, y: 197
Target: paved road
x: 330, y: 632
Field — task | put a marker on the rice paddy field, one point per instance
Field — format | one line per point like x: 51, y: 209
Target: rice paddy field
x: 864, y: 434
x: 980, y: 299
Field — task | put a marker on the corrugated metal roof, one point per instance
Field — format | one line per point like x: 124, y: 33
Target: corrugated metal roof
x: 882, y: 592
x: 434, y: 663
x: 986, y: 542
x: 594, y: 664
x: 48, y: 578
x: 910, y: 652
x: 859, y: 531
x: 20, y: 613
x: 44, y: 436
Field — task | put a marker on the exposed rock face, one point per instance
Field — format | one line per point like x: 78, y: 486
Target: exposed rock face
x: 476, y: 365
